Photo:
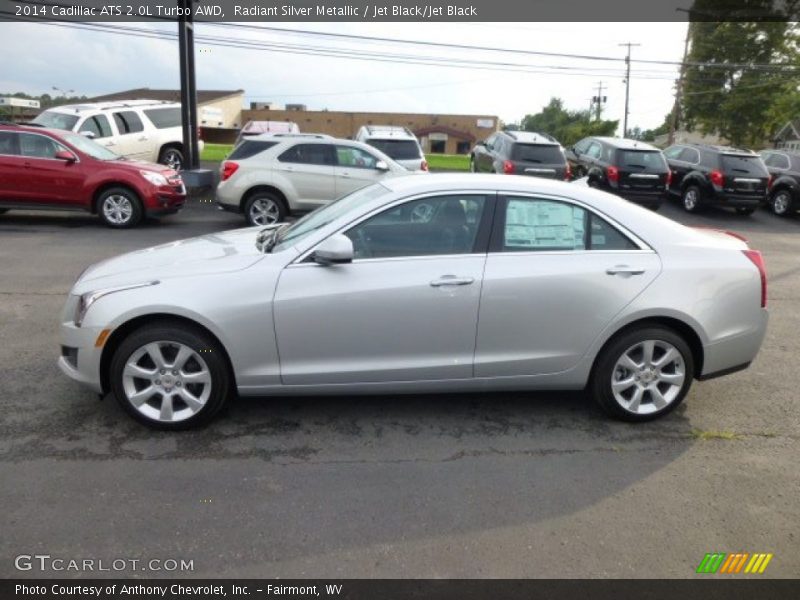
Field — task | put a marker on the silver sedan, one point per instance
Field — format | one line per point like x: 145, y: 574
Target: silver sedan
x: 417, y: 285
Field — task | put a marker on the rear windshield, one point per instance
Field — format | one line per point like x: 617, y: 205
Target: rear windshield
x: 538, y: 153
x: 738, y: 164
x: 397, y: 149
x: 250, y: 148
x: 642, y: 160
x: 164, y: 118
x: 56, y: 120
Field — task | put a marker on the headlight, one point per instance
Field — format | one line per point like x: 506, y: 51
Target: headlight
x: 154, y: 178
x: 86, y: 300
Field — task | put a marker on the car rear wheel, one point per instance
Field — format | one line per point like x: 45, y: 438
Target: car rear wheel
x: 170, y: 376
x: 781, y: 202
x: 264, y: 209
x: 745, y: 210
x: 120, y: 208
x: 171, y: 157
x: 3, y: 211
x: 643, y: 374
x: 691, y: 199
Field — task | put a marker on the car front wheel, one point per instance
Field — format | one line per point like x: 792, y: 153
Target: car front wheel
x: 745, y: 210
x: 781, y: 202
x: 170, y: 376
x: 264, y: 209
x: 691, y: 199
x: 120, y: 208
x: 643, y: 374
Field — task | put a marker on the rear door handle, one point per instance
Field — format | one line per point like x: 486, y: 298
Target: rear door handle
x: 109, y: 144
x: 452, y: 280
x: 624, y: 270
x: 142, y: 139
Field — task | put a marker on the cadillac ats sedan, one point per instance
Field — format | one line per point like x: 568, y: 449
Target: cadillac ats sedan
x: 430, y: 284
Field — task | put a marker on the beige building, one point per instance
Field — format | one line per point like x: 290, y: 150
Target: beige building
x: 218, y: 109
x: 438, y: 134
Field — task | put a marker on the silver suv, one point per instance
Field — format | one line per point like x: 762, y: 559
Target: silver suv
x: 396, y: 142
x: 146, y: 130
x: 269, y: 176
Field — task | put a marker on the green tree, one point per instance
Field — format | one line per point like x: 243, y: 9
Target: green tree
x: 742, y: 104
x: 567, y: 126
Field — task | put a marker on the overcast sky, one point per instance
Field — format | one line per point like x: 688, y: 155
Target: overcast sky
x: 37, y: 57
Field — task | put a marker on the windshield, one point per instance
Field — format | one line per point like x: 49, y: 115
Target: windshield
x: 397, y: 149
x: 89, y: 147
x: 56, y: 120
x: 647, y: 160
x: 327, y: 214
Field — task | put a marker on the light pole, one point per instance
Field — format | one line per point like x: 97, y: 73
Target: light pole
x: 627, y: 85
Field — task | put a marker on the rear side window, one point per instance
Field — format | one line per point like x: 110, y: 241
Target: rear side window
x: 96, y: 125
x: 164, y: 118
x: 778, y: 161
x: 538, y: 153
x: 250, y: 148
x: 8, y: 143
x: 397, y: 149
x: 642, y: 160
x: 128, y: 122
x: 739, y: 164
x: 309, y: 154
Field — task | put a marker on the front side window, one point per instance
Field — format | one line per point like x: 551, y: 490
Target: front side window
x: 308, y: 154
x: 533, y: 224
x: 776, y: 161
x: 8, y: 143
x: 348, y: 156
x: 38, y: 146
x: 97, y: 125
x: 424, y: 227
x: 128, y: 122
x: 594, y: 150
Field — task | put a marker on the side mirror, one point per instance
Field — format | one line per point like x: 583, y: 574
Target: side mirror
x: 381, y: 165
x: 88, y: 134
x: 66, y: 155
x: 575, y: 151
x: 336, y: 250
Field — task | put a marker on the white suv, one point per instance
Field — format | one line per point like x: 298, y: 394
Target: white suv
x: 139, y: 129
x: 396, y: 142
x: 269, y: 176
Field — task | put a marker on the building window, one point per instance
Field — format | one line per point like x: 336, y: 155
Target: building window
x: 438, y: 146
x: 463, y: 147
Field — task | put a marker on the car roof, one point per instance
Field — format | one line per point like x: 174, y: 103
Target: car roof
x: 8, y: 126
x: 90, y: 106
x: 280, y: 136
x: 388, y: 132
x: 531, y: 137
x: 626, y: 144
x: 722, y: 149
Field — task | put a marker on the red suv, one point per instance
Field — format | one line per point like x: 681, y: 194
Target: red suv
x: 59, y: 170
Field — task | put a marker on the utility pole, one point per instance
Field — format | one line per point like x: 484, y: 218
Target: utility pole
x: 627, y: 85
x: 673, y: 124
x: 598, y: 101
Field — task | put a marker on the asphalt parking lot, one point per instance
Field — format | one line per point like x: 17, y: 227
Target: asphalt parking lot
x: 500, y: 485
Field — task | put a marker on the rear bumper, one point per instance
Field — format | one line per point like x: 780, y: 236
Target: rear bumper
x: 736, y: 200
x: 735, y: 352
x: 643, y: 197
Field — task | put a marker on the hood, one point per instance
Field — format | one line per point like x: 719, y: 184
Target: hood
x: 213, y: 253
x: 140, y: 165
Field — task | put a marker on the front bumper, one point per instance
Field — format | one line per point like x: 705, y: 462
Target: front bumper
x: 164, y: 200
x: 80, y: 359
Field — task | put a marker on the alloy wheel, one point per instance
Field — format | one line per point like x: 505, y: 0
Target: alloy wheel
x: 173, y: 159
x: 264, y: 211
x: 690, y: 199
x: 781, y: 202
x: 117, y: 209
x: 648, y: 377
x: 166, y: 381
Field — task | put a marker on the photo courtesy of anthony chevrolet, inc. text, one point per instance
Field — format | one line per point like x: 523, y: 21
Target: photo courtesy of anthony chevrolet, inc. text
x: 399, y: 299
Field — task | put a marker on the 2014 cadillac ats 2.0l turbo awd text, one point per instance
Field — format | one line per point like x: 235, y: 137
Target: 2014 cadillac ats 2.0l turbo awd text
x: 418, y: 285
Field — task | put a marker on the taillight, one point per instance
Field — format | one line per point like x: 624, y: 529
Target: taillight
x: 508, y: 167
x: 228, y: 169
x: 769, y: 181
x: 424, y: 165
x: 669, y: 178
x: 568, y: 173
x: 613, y: 174
x: 717, y: 178
x: 758, y: 260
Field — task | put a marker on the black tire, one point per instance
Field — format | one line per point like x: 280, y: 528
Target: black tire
x: 692, y: 199
x: 781, y: 202
x: 271, y: 200
x: 472, y: 167
x: 172, y: 157
x: 745, y: 210
x: 221, y: 381
x: 127, y: 200
x: 604, y: 372
x: 3, y: 211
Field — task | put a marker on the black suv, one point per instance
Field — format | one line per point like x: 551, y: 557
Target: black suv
x: 784, y: 186
x: 703, y: 175
x: 520, y: 153
x: 630, y: 169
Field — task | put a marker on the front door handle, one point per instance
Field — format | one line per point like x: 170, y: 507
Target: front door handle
x: 624, y: 270
x: 109, y: 144
x: 452, y: 280
x: 142, y: 139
